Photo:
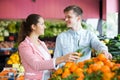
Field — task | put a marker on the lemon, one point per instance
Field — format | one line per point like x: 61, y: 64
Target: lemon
x: 9, y: 61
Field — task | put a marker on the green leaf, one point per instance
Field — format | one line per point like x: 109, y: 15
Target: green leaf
x: 79, y: 50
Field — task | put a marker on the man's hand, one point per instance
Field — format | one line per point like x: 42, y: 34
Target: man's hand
x: 107, y: 54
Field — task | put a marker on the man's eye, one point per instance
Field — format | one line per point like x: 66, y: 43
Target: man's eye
x: 67, y: 17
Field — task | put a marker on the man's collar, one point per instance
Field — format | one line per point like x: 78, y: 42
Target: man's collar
x: 76, y: 32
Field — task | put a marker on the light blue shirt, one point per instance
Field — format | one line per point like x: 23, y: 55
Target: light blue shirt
x: 70, y: 41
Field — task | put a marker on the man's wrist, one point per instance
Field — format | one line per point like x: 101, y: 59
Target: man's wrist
x: 59, y: 60
x: 105, y: 52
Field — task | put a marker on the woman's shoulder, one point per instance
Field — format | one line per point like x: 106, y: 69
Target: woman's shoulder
x: 23, y: 44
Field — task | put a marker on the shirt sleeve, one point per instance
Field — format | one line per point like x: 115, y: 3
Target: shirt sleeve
x: 55, y: 66
x: 97, y: 44
x: 58, y: 48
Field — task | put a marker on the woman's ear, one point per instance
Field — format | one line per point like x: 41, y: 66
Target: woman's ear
x: 33, y: 27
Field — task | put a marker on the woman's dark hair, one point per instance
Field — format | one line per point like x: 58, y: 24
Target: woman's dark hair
x: 25, y: 28
x: 75, y: 8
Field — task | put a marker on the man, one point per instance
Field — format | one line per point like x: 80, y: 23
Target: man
x: 78, y: 38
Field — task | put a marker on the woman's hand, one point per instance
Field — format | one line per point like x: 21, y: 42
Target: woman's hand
x: 68, y: 58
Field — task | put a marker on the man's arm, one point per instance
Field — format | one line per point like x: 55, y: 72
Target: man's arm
x: 99, y: 46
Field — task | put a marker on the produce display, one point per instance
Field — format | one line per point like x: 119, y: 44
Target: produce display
x: 114, y: 47
x: 54, y: 27
x: 11, y: 74
x: 13, y: 69
x: 6, y: 48
x: 6, y: 44
x: 14, y: 59
x: 96, y: 68
x: 9, y: 30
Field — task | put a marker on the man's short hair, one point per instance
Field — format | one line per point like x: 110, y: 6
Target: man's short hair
x: 75, y: 8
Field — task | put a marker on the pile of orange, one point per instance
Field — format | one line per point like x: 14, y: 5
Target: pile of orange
x: 4, y: 74
x: 97, y: 68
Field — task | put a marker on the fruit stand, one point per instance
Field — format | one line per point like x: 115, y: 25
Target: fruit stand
x: 87, y: 70
x: 97, y: 68
x: 8, y: 45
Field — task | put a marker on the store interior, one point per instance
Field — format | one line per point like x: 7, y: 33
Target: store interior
x: 100, y: 16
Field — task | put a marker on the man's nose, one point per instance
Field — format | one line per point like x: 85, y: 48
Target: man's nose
x: 66, y: 19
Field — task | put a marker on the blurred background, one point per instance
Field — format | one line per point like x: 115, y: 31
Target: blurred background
x: 100, y: 16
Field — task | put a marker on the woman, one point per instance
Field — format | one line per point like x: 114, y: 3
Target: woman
x: 33, y: 52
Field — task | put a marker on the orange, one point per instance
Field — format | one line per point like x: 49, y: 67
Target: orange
x: 81, y: 76
x: 68, y: 64
x: 89, y: 60
x: 73, y: 67
x: 118, y: 77
x: 117, y: 64
x: 95, y: 59
x: 101, y: 57
x: 109, y: 63
x: 108, y: 75
x: 66, y: 73
x: 78, y: 71
x: 115, y: 67
x: 59, y: 71
x: 80, y: 64
x: 100, y: 63
x: 105, y: 69
x: 89, y: 71
x: 5, y: 78
x: 95, y: 67
x: 20, y: 77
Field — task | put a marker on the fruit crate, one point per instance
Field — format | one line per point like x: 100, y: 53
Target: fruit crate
x: 10, y: 73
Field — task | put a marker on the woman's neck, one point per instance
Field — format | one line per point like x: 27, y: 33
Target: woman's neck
x: 34, y: 38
